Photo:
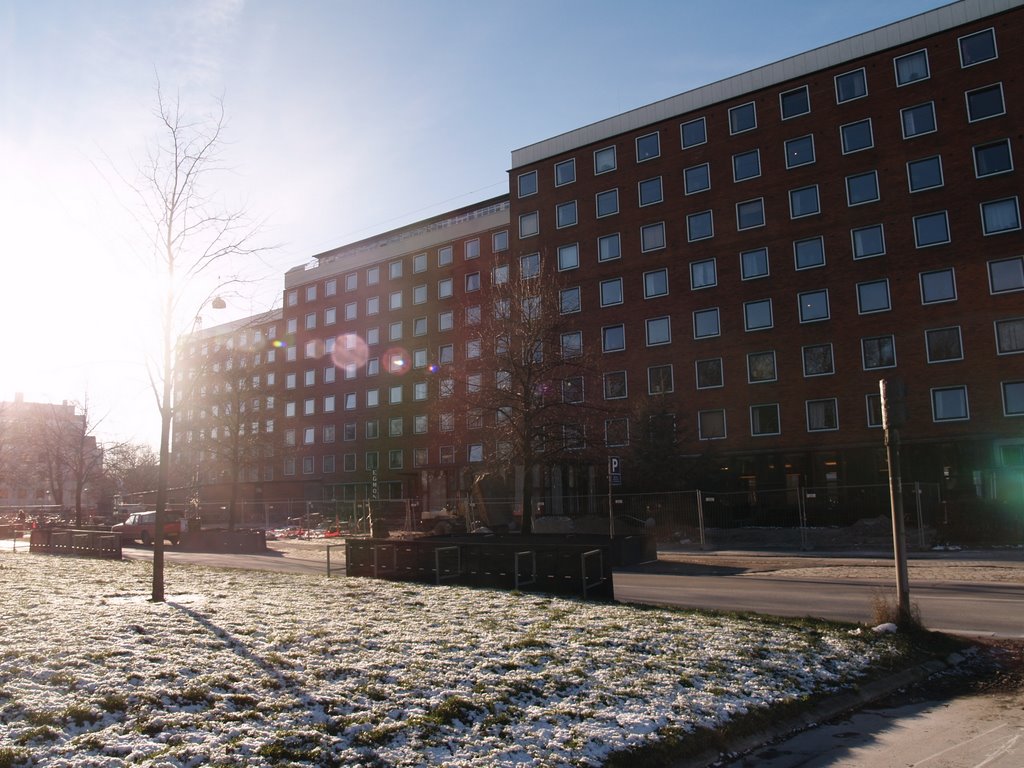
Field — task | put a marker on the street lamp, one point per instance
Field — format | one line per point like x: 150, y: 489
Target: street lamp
x: 166, y: 404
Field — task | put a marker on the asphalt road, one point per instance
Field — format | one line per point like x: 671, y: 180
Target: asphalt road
x: 829, y: 587
x: 961, y: 607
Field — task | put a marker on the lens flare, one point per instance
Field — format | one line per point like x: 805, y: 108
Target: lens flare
x: 349, y: 350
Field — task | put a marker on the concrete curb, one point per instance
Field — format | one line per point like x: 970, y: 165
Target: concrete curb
x: 828, y: 709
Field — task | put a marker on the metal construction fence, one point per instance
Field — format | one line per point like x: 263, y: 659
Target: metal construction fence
x: 808, y: 517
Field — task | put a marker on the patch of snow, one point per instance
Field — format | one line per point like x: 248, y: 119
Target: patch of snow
x: 261, y: 668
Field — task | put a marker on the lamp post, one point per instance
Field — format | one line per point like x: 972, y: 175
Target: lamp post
x: 166, y: 413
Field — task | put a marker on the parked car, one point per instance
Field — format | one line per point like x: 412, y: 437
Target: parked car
x: 141, y: 526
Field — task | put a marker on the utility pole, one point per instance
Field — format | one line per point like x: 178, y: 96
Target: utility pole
x: 894, y: 415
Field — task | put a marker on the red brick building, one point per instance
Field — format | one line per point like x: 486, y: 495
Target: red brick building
x: 767, y: 247
x: 750, y: 257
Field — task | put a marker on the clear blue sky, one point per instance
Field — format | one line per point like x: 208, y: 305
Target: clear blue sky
x: 345, y: 119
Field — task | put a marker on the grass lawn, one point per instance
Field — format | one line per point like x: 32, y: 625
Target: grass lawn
x: 253, y: 668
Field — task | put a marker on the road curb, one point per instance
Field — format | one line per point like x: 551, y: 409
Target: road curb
x: 827, y: 709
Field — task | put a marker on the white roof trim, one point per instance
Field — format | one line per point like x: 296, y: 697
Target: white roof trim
x: 890, y: 36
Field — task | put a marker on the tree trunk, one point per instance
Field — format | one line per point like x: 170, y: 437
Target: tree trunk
x: 527, y: 499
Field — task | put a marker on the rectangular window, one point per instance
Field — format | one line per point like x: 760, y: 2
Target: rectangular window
x: 613, y: 338
x: 373, y: 305
x: 649, y: 191
x: 565, y: 172
x: 499, y: 242
x: 761, y: 367
x: 878, y: 352
x: 655, y: 283
x: 652, y: 237
x: 944, y: 344
x: 925, y: 173
x: 693, y: 133
x: 568, y: 257
x: 873, y: 296
x: 868, y: 241
x: 572, y: 344
x: 529, y: 266
x: 711, y: 425
x: 938, y: 286
x: 395, y: 300
x: 764, y: 419
x: 911, y: 67
x: 993, y: 158
x: 814, y: 306
x: 696, y: 179
x: 873, y: 403
x: 918, y: 120
x: 857, y: 136
x: 565, y: 214
x: 529, y: 224
x: 611, y: 292
x: 616, y: 432
x: 862, y: 188
x: 395, y: 267
x: 709, y: 373
x: 984, y: 103
x: 703, y: 274
x: 757, y: 315
x: 604, y: 160
x: 475, y: 453
x: 754, y: 264
x: 700, y: 226
x: 977, y: 47
x: 528, y: 184
x: 648, y: 147
x: 818, y: 360
x: 373, y: 275
x: 609, y: 247
x: 1010, y: 336
x: 569, y: 300
x: 659, y: 331
x: 746, y: 165
x: 330, y: 288
x: 851, y: 85
x: 1013, y: 398
x: 444, y: 255
x: 804, y: 202
x: 615, y: 385
x: 742, y: 118
x: 949, y: 404
x: 659, y: 380
x: 931, y: 229
x: 1000, y: 216
x: 750, y: 214
x: 1006, y: 275
x: 799, y: 151
x: 794, y: 103
x: 822, y: 415
x: 705, y: 323
x: 809, y: 253
x: 607, y: 203
x: 419, y: 263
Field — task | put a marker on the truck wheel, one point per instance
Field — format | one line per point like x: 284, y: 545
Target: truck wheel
x: 146, y: 540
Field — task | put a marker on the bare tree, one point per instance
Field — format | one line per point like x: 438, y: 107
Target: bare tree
x: 131, y: 468
x: 190, y: 232
x: 523, y: 380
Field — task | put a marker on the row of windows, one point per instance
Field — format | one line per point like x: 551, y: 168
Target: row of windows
x: 909, y: 68
x: 877, y: 352
x: 395, y: 269
x: 948, y: 404
x: 997, y: 216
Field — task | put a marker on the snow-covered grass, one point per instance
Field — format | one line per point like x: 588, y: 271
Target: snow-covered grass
x: 274, y: 669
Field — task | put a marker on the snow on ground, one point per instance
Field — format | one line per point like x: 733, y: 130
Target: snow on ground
x: 258, y: 668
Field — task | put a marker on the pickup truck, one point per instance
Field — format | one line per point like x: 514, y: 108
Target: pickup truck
x: 141, y: 526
